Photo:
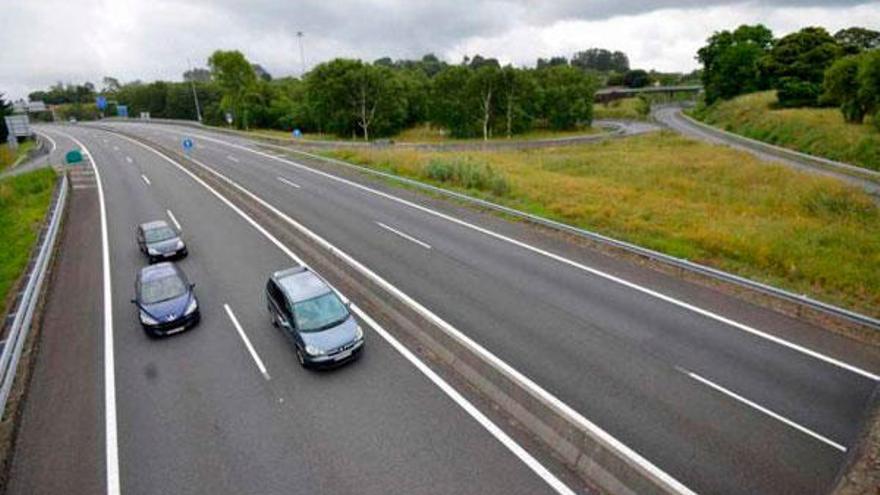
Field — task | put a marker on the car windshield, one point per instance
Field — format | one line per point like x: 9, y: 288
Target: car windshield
x: 159, y: 234
x: 162, y: 289
x: 319, y: 312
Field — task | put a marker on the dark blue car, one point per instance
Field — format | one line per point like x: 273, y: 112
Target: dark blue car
x: 165, y: 300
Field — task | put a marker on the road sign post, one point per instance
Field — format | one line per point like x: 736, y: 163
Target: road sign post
x: 187, y: 144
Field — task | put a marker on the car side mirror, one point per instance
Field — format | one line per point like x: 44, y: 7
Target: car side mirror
x: 192, y: 286
x: 134, y: 301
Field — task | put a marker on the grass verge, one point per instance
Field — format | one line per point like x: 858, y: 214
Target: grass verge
x: 817, y: 131
x: 24, y: 200
x: 709, y: 204
x: 8, y: 157
x: 429, y: 134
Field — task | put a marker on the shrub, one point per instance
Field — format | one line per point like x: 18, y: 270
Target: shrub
x: 467, y: 174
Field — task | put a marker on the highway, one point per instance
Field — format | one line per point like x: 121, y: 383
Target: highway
x: 723, y: 395
x: 196, y: 414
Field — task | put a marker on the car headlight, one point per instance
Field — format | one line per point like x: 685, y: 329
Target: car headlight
x: 147, y: 319
x: 153, y: 251
x: 314, y: 351
x: 193, y: 305
x: 179, y: 244
x: 358, y: 333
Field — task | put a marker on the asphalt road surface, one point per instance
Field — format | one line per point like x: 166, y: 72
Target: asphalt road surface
x: 196, y: 414
x: 724, y: 396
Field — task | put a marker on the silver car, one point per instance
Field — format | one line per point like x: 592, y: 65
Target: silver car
x: 311, y: 313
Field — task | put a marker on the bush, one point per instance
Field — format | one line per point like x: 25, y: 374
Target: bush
x: 467, y: 174
x: 797, y: 93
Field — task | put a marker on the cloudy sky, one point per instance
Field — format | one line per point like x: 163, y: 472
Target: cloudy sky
x: 45, y: 41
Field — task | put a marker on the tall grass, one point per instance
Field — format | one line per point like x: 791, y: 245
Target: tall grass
x: 24, y: 200
x: 818, y: 131
x: 625, y: 108
x: 709, y: 204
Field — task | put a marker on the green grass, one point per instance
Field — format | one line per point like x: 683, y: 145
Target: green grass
x: 24, y: 200
x: 817, y: 131
x: 428, y: 134
x: 710, y: 204
x: 626, y: 108
x: 8, y: 158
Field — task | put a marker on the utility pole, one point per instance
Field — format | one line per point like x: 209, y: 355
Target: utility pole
x: 302, y: 54
x: 195, y: 95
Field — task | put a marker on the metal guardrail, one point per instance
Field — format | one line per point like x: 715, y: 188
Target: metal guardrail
x: 772, y: 149
x: 628, y: 247
x: 27, y: 304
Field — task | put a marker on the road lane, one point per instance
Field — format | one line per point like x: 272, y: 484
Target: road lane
x: 195, y: 414
x: 606, y: 342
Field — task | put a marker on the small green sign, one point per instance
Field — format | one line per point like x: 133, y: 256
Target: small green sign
x: 73, y: 156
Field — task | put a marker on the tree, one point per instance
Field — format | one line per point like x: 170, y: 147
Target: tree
x: 197, y: 74
x: 841, y: 87
x: 856, y: 39
x: 261, y: 73
x: 111, y: 85
x: 601, y: 60
x: 551, y: 62
x: 869, y: 84
x: 451, y: 104
x: 516, y: 96
x: 236, y: 78
x: 731, y: 59
x: 567, y: 97
x: 484, y: 85
x: 637, y: 78
x: 796, y: 65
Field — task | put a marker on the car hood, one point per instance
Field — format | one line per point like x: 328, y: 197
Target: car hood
x: 333, y: 337
x: 165, y: 246
x: 168, y: 310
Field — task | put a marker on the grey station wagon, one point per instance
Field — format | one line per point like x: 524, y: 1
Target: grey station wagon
x: 309, y: 311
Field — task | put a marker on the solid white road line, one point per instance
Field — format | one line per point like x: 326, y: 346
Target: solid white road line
x: 289, y: 183
x: 145, y: 179
x: 173, y: 219
x: 768, y: 412
x: 405, y: 236
x: 607, y: 276
x: 232, y: 158
x: 498, y: 433
x: 247, y: 342
x: 129, y: 160
x: 110, y: 430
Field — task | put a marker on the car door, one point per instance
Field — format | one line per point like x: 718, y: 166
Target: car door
x: 139, y: 233
x: 276, y: 304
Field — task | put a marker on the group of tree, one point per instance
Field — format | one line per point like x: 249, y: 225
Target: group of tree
x: 809, y: 67
x: 478, y: 97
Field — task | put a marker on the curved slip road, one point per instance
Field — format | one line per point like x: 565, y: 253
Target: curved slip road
x: 195, y: 414
x: 722, y: 409
x: 671, y: 117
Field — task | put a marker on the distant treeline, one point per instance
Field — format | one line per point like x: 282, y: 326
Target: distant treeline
x: 807, y: 68
x: 475, y: 98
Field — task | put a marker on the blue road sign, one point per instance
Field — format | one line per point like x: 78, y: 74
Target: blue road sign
x: 122, y: 111
x: 187, y: 144
x: 101, y: 103
x: 297, y: 133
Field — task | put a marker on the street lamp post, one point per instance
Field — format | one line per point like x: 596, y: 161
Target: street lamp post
x: 302, y: 54
x: 195, y: 95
